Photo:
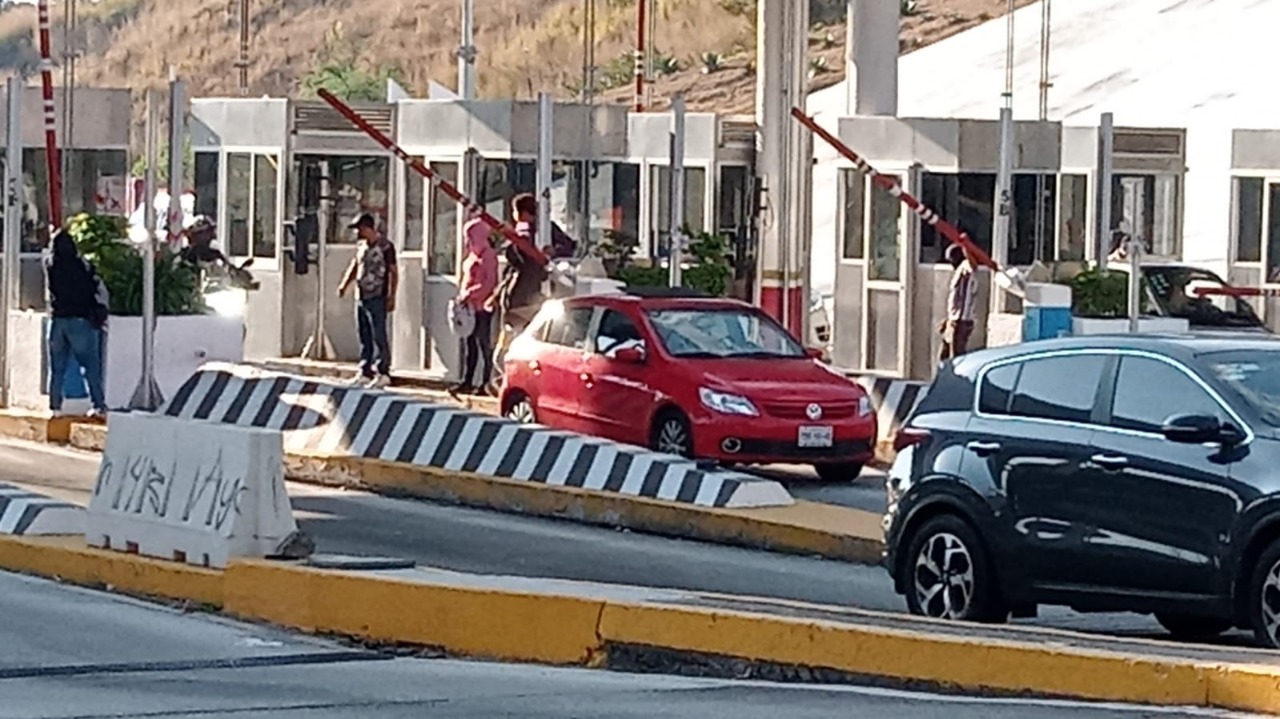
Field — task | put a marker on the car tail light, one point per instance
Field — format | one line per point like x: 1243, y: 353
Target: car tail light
x: 909, y: 437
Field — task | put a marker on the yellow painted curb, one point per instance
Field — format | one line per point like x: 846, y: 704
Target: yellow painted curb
x: 71, y: 560
x: 34, y: 427
x: 795, y: 529
x: 474, y: 622
x: 519, y: 626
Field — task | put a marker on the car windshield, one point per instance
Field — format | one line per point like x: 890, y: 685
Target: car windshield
x: 722, y: 334
x: 1177, y: 291
x: 1254, y: 376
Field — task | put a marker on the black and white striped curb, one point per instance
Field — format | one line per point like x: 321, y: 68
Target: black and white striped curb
x: 24, y: 512
x: 893, y: 400
x: 325, y: 418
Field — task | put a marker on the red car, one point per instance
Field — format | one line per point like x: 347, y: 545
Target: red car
x: 704, y: 378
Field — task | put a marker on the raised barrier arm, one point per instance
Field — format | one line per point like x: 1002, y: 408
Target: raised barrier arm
x: 1009, y: 278
x: 436, y: 181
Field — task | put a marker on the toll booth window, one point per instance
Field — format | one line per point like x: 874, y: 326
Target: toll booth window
x: 1247, y: 193
x: 1032, y: 223
x: 253, y: 182
x: 886, y: 236
x: 1073, y: 217
x: 967, y: 200
x: 853, y: 199
x: 695, y: 202
x: 206, y: 184
x: 1273, y: 234
x: 415, y: 210
x: 1148, y: 204
x: 444, y: 223
x: 359, y: 185
x: 94, y: 181
x: 501, y: 181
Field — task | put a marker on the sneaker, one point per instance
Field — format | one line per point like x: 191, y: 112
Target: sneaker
x: 460, y: 390
x: 360, y: 380
x: 56, y: 414
x: 97, y: 414
x: 379, y: 382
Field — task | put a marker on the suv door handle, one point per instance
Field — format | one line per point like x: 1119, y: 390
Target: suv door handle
x: 1109, y: 461
x: 983, y: 449
x: 585, y: 377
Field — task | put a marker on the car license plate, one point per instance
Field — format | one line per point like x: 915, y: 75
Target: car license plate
x: 815, y: 437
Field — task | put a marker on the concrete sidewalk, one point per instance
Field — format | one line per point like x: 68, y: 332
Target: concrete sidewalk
x: 634, y: 628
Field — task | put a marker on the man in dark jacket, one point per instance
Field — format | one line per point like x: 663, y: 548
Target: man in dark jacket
x: 78, y: 318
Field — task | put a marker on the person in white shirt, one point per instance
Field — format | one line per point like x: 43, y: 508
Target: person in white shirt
x: 958, y: 325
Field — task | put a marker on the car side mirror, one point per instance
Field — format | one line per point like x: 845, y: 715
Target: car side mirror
x: 1200, y: 429
x: 630, y: 355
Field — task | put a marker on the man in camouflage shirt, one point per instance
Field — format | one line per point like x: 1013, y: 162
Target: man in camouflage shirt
x: 373, y: 271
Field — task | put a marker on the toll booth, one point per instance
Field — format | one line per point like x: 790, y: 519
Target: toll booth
x: 891, y: 279
x: 95, y: 166
x: 281, y: 174
x: 489, y: 149
x: 719, y: 171
x: 1254, y: 254
x: 262, y: 163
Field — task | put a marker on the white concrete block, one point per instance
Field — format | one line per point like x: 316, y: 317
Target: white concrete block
x: 1048, y: 294
x: 1155, y: 325
x: 190, y: 491
x: 1004, y: 329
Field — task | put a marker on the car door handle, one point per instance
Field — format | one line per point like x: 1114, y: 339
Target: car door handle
x: 535, y: 365
x: 1109, y: 461
x: 983, y: 449
x: 585, y: 377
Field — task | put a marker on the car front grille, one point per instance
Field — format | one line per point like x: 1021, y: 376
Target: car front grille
x: 799, y: 410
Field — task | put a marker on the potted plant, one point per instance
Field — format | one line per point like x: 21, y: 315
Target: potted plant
x: 1100, y: 305
x: 187, y: 334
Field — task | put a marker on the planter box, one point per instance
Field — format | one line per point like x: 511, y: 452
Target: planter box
x: 183, y: 343
x: 1092, y: 326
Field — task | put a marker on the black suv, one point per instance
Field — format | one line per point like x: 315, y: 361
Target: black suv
x: 1133, y: 473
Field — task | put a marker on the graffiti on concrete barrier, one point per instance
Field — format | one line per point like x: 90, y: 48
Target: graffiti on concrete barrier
x: 145, y: 487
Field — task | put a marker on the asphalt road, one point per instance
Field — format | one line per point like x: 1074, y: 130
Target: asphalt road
x: 67, y: 653
x: 483, y: 542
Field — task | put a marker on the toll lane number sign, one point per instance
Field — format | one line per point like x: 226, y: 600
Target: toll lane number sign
x: 815, y: 437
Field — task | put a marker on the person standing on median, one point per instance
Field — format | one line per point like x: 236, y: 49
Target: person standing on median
x: 79, y: 314
x: 373, y: 271
x: 479, y: 283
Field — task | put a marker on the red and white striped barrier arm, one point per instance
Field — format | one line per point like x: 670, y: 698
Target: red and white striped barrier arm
x: 930, y: 217
x: 1237, y: 291
x: 53, y: 162
x: 436, y: 181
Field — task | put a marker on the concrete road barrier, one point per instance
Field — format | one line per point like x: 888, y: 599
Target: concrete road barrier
x: 328, y: 419
x: 23, y: 512
x: 194, y: 492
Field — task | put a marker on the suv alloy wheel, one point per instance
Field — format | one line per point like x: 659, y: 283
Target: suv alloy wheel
x: 948, y: 574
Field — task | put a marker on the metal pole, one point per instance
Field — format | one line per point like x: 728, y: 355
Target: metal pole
x: 677, y: 190
x: 177, y: 152
x: 1004, y: 196
x: 642, y: 31
x: 319, y: 347
x: 52, y: 161
x: 12, y: 226
x: 467, y: 52
x: 1135, y: 282
x: 1106, y: 168
x: 243, y: 63
x: 546, y: 149
x: 147, y: 395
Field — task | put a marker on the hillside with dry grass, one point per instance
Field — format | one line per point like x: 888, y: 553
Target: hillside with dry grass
x: 706, y: 47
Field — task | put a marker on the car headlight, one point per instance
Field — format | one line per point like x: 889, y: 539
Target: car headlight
x: 864, y: 406
x: 726, y: 403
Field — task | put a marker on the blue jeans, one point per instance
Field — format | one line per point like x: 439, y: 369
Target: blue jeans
x: 375, y: 352
x: 75, y: 337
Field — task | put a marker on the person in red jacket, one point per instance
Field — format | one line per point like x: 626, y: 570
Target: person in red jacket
x: 479, y: 283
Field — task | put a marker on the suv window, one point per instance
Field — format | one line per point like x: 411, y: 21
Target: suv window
x: 616, y: 332
x: 1149, y: 391
x: 997, y: 389
x: 1058, y: 388
x: 570, y: 328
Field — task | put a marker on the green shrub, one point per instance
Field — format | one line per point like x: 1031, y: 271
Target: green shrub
x: 1101, y: 294
x: 103, y: 241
